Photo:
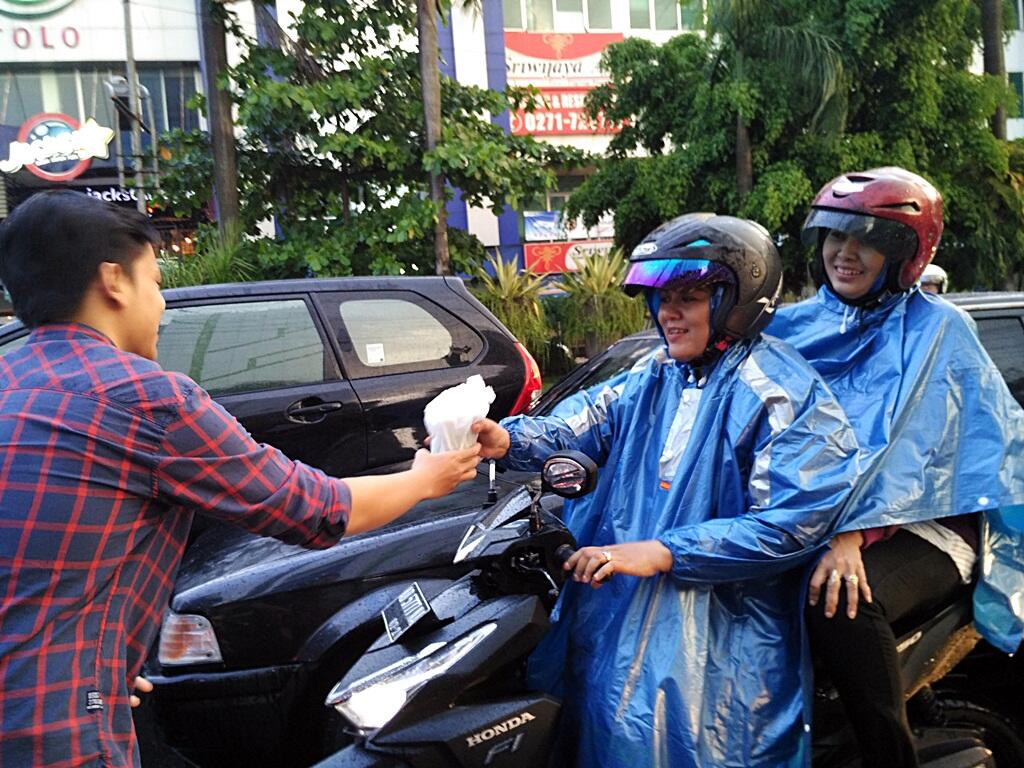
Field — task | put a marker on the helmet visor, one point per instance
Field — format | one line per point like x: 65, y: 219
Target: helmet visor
x: 890, y: 238
x: 683, y: 273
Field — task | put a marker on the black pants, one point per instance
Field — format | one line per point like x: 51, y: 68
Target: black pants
x: 908, y: 577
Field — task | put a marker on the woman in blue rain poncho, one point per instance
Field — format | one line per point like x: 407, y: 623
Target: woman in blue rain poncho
x: 941, y: 439
x: 725, y: 462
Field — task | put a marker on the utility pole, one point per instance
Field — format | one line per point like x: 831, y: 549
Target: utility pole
x: 430, y: 75
x: 136, y: 107
x: 218, y: 113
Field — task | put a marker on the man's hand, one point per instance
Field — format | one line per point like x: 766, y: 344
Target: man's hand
x: 592, y: 565
x: 142, y: 685
x: 842, y: 563
x: 493, y: 438
x: 440, y: 473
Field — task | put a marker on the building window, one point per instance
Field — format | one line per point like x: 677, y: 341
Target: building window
x: 667, y: 15
x: 1017, y: 83
x: 512, y: 13
x: 1017, y: 16
x: 21, y: 96
x: 639, y: 14
x: 557, y: 15
x: 540, y: 15
x: 693, y: 14
x: 83, y: 93
x: 599, y: 14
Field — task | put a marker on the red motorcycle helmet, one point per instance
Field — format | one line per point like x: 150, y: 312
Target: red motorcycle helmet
x: 896, y: 212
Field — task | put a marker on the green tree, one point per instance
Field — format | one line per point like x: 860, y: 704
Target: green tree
x: 906, y: 97
x: 331, y: 143
x: 748, y: 33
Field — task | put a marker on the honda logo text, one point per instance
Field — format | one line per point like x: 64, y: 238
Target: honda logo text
x: 496, y: 730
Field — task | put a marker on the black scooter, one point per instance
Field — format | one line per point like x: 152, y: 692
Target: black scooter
x: 444, y: 685
x: 951, y: 729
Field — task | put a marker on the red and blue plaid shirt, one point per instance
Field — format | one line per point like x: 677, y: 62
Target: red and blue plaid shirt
x: 104, y: 457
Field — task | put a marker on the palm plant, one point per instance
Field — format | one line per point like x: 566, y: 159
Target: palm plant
x: 514, y: 298
x: 596, y: 312
x: 748, y: 31
x: 220, y: 258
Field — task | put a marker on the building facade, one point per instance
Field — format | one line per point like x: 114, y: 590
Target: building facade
x: 65, y: 121
x: 1014, y: 58
x: 555, y: 46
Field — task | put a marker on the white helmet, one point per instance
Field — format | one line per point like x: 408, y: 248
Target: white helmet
x: 935, y: 275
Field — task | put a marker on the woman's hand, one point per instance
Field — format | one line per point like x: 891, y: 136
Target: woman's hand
x: 493, y: 438
x: 593, y: 565
x: 842, y: 563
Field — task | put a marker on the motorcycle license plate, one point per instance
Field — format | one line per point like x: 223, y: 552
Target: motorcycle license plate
x: 404, y: 611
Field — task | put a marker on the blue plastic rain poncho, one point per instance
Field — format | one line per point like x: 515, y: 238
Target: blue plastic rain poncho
x: 939, y: 431
x: 741, y: 478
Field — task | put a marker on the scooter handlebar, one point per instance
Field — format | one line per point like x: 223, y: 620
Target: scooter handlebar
x: 563, y: 553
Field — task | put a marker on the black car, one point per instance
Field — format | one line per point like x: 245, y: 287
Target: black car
x: 998, y: 316
x: 335, y: 372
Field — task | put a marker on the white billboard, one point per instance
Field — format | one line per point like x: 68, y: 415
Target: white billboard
x: 51, y: 31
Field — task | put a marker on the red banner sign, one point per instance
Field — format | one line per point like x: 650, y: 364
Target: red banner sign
x: 555, y: 59
x: 561, y: 115
x: 543, y: 258
x: 559, y: 45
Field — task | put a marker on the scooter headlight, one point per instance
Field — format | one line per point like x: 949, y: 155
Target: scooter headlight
x: 371, y: 702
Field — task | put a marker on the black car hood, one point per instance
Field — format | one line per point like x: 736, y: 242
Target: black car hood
x: 225, y: 564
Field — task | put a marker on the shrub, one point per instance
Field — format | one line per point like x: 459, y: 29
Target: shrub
x: 596, y: 311
x: 219, y: 258
x: 514, y: 298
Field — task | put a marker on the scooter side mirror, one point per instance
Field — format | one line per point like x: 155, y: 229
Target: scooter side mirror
x: 569, y: 474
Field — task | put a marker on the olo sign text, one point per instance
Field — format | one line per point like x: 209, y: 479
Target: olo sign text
x: 42, y: 37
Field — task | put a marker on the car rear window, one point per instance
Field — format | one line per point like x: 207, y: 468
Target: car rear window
x: 244, y: 347
x: 13, y: 344
x: 394, y: 334
x: 1003, y: 337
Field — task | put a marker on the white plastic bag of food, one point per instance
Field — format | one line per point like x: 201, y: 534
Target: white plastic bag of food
x: 449, y: 416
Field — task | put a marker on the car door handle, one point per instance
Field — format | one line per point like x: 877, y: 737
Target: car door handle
x: 310, y: 414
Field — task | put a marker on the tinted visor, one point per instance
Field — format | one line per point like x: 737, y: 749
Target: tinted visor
x: 890, y: 238
x: 655, y: 273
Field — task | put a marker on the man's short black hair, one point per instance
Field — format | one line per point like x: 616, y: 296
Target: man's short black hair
x: 52, y: 245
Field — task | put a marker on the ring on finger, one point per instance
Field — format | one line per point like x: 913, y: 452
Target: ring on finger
x: 833, y: 576
x: 852, y: 578
x: 606, y: 555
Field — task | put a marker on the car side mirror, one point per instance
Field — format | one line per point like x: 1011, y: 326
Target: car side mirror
x: 569, y: 474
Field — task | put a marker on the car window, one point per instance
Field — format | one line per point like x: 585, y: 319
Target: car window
x: 13, y: 344
x: 395, y: 334
x: 621, y: 357
x: 1003, y: 337
x: 231, y: 348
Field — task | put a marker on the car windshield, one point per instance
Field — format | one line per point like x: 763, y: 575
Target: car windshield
x: 619, y: 357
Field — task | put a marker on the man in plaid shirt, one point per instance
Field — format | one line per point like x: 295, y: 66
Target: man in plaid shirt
x: 104, y: 458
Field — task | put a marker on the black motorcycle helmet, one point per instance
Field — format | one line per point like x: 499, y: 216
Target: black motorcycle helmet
x: 705, y: 249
